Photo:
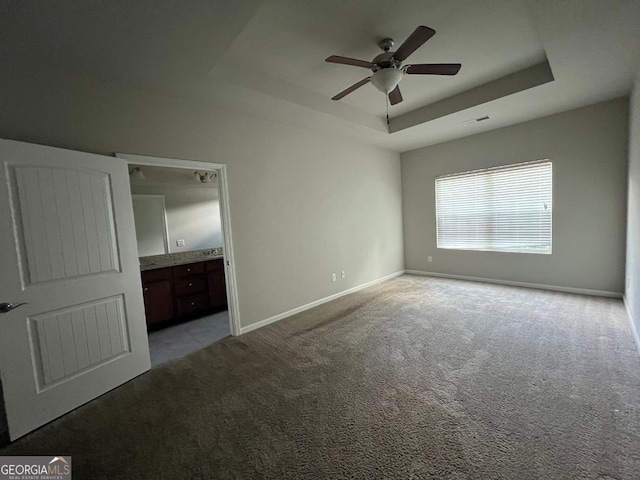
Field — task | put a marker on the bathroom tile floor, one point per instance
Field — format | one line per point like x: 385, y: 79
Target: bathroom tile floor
x: 182, y: 339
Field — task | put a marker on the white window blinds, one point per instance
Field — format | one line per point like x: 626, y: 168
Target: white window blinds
x: 504, y: 209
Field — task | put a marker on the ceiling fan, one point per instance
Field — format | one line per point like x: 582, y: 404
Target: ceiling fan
x: 387, y: 67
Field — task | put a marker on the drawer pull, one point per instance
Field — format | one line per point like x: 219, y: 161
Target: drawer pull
x: 193, y: 304
x: 146, y: 289
x: 188, y: 269
x: 191, y: 284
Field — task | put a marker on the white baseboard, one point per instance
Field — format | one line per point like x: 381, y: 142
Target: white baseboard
x: 634, y: 330
x: 582, y: 291
x: 280, y: 316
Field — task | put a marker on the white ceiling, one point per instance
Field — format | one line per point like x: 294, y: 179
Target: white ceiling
x: 266, y: 57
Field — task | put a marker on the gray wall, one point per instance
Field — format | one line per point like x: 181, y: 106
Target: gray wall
x: 588, y: 147
x: 632, y: 291
x: 303, y: 204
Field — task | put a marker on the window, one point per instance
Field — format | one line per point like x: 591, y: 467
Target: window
x: 503, y: 209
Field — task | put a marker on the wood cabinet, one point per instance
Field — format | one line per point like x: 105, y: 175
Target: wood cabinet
x: 188, y: 269
x: 216, y: 283
x: 174, y: 293
x: 158, y: 301
x: 190, y: 285
x: 157, y: 291
x: 192, y: 304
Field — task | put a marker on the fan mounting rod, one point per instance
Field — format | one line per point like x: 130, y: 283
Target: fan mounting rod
x: 385, y: 59
x: 386, y: 44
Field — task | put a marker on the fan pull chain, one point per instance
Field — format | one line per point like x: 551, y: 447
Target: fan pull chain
x: 387, y: 98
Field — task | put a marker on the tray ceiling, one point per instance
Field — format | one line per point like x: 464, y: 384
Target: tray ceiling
x: 267, y: 57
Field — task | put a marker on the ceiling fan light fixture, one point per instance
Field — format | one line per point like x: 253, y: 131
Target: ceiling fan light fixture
x: 387, y: 79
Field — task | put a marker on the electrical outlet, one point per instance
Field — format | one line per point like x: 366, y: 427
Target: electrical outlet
x: 333, y: 277
x: 179, y: 243
x: 429, y: 259
x: 343, y: 274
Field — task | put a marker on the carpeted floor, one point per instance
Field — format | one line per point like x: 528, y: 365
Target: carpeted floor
x: 413, y: 378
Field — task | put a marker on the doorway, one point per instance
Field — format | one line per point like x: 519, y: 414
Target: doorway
x: 188, y: 283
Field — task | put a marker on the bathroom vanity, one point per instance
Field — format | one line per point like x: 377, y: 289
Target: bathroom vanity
x: 184, y: 291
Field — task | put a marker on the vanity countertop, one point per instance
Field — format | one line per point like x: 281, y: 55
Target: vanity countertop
x: 173, y: 260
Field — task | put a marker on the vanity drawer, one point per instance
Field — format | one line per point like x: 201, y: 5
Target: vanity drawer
x: 189, y: 285
x: 192, y: 304
x: 155, y: 275
x: 188, y: 269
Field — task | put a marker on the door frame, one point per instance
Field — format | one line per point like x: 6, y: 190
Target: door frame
x: 225, y: 214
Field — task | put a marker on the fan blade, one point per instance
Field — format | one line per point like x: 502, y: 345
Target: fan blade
x: 433, y: 69
x: 349, y: 61
x: 415, y: 40
x: 395, y: 96
x: 353, y: 87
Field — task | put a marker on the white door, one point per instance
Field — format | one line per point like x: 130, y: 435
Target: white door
x: 68, y: 251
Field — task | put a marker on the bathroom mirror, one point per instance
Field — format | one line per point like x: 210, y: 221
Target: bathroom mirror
x: 151, y: 224
x: 175, y: 210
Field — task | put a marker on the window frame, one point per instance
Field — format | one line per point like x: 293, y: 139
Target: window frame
x: 488, y: 170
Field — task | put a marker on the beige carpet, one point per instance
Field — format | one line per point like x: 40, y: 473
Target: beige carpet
x: 414, y: 378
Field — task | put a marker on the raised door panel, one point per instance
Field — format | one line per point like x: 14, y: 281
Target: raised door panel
x: 67, y: 342
x: 67, y: 226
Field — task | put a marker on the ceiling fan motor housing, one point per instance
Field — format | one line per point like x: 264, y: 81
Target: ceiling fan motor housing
x: 385, y: 60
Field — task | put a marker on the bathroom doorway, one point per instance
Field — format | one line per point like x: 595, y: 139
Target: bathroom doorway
x: 181, y: 211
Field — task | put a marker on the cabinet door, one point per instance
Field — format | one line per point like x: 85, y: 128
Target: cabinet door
x: 158, y: 301
x: 217, y: 289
